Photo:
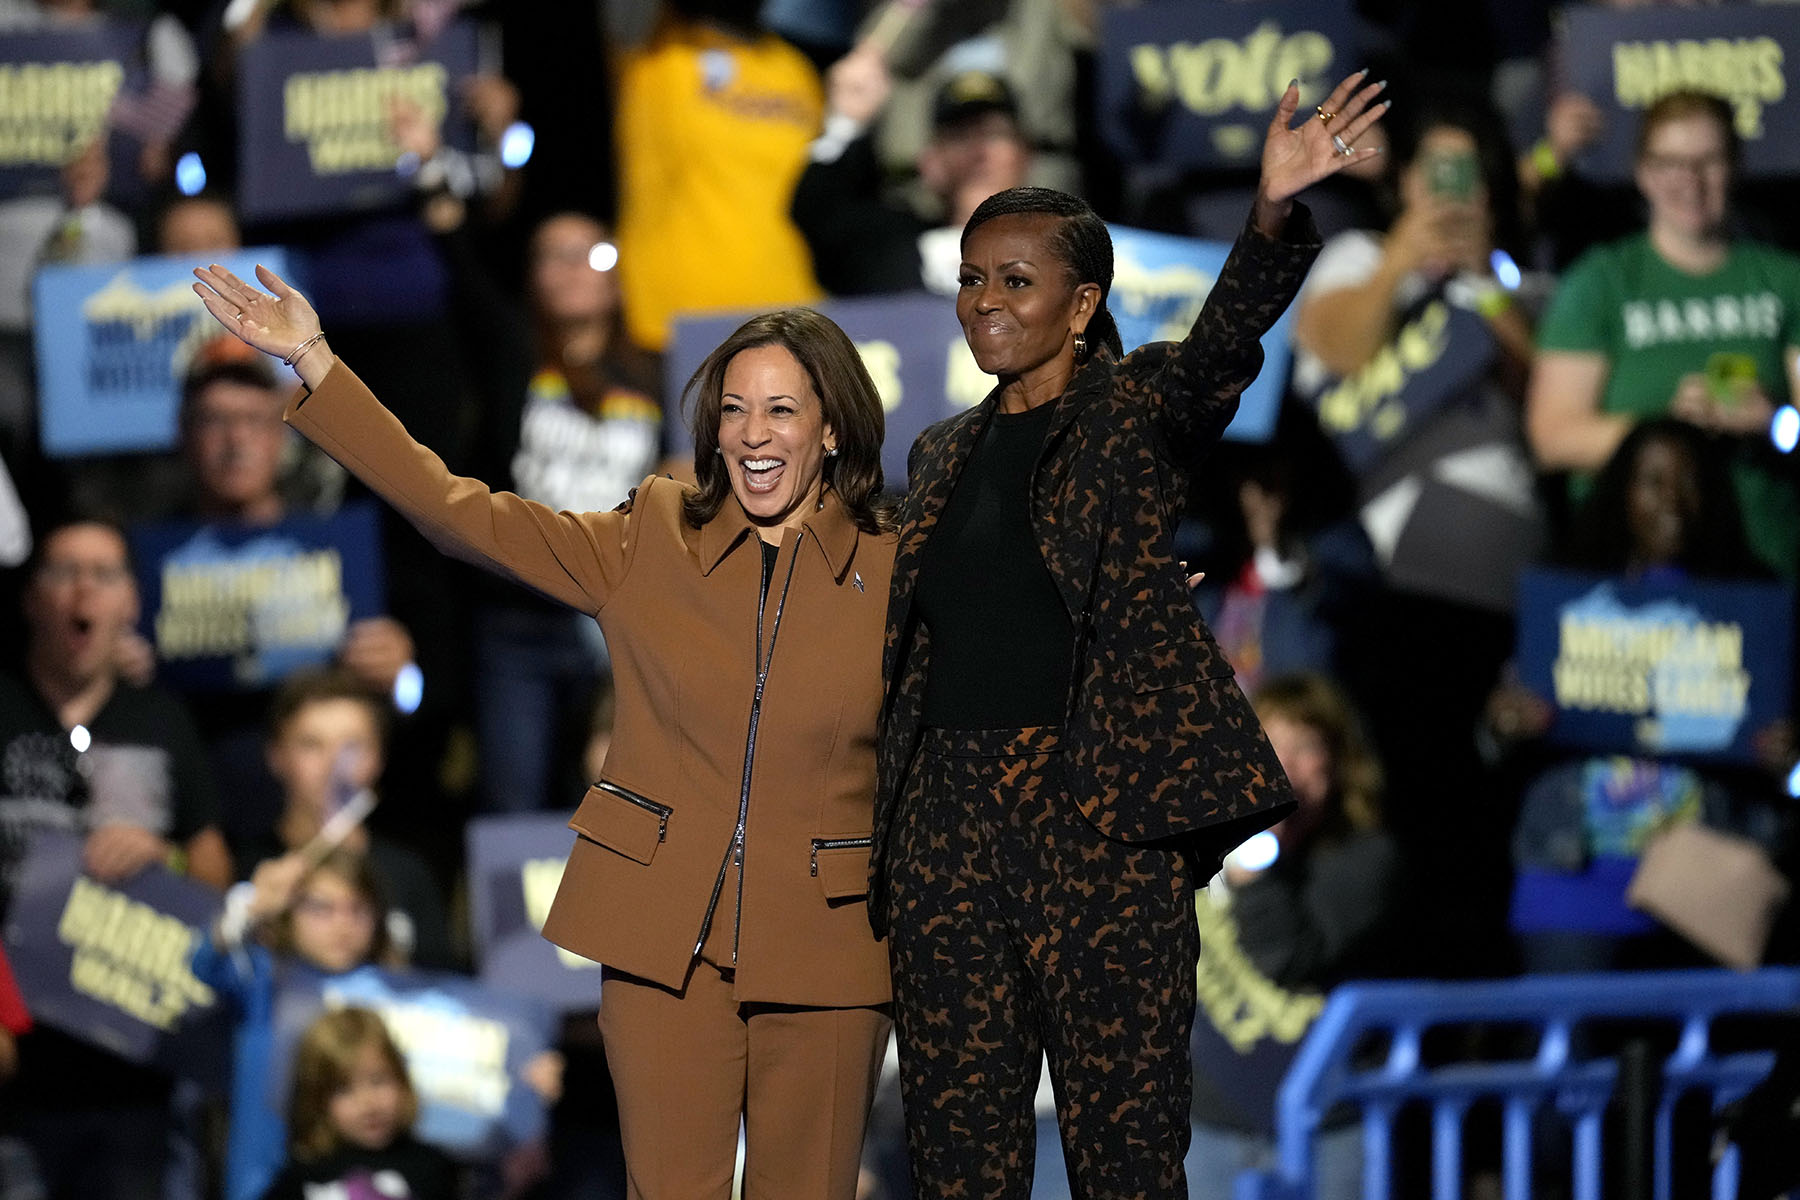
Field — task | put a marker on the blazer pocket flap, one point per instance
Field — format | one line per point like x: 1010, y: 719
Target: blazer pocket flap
x: 622, y: 820
x: 842, y: 865
x: 1175, y: 664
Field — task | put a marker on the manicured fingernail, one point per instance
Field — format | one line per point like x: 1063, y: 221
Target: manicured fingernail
x: 1381, y: 83
x: 1294, y: 83
x: 1362, y: 72
x: 1386, y: 104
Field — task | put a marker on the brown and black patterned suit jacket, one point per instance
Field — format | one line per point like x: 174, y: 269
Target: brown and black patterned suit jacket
x: 1160, y: 742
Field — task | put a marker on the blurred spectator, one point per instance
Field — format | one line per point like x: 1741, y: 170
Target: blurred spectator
x: 1322, y: 911
x: 350, y: 1120
x: 714, y: 117
x: 1662, y: 508
x: 1288, y: 568
x: 1456, y: 194
x: 14, y: 1020
x: 86, y: 751
x: 862, y: 242
x: 1683, y: 319
x: 195, y: 226
x: 318, y: 914
x: 578, y: 430
x: 327, y: 741
x: 235, y: 446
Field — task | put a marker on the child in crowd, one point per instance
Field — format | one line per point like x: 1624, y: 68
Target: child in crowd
x: 350, y: 1119
x: 326, y: 918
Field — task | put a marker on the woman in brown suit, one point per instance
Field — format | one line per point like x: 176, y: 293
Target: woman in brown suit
x: 722, y: 860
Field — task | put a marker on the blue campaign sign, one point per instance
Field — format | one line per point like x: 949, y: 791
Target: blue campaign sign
x: 313, y: 117
x: 467, y: 1046
x: 56, y: 89
x: 916, y: 355
x: 1195, y: 84
x: 108, y: 962
x: 1691, y: 669
x: 515, y: 865
x: 1160, y: 283
x: 1247, y: 1028
x: 1625, y: 59
x: 113, y: 344
x: 1439, y: 354
x: 232, y: 607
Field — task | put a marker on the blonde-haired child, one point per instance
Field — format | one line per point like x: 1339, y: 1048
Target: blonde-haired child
x: 350, y: 1119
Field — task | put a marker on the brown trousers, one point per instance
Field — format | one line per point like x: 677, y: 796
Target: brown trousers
x: 688, y: 1065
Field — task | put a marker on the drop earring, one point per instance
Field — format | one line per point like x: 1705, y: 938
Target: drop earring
x: 1081, y: 349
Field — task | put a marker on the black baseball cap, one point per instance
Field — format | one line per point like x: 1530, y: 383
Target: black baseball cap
x: 970, y: 94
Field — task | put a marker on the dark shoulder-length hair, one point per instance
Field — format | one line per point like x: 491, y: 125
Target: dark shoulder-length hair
x: 1080, y: 242
x: 847, y: 396
x: 1715, y: 545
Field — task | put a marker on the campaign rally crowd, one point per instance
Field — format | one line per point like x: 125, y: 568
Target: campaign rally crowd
x: 1501, y: 545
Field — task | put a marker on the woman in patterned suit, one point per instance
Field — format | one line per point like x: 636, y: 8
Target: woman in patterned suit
x: 1065, y: 755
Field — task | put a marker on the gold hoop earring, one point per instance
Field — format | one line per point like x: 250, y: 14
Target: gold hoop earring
x: 1081, y: 347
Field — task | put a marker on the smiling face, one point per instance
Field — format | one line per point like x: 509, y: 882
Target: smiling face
x: 80, y: 602
x: 1019, y: 308
x: 367, y: 1108
x: 1685, y: 175
x: 773, y: 437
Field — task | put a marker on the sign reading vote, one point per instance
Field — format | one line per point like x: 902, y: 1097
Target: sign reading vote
x: 108, y: 962
x: 915, y: 352
x: 1196, y: 84
x: 1688, y: 668
x: 113, y: 345
x: 240, y: 607
x: 56, y: 89
x: 467, y: 1047
x: 1438, y: 355
x: 515, y: 866
x: 313, y: 116
x: 1625, y: 59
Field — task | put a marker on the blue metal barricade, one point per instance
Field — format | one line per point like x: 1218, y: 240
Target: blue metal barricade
x: 1560, y: 1075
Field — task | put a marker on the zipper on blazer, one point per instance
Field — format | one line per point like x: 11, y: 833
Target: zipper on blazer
x: 734, y: 853
x: 662, y: 811
x: 819, y: 844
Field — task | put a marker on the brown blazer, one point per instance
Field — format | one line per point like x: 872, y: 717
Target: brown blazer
x: 650, y: 875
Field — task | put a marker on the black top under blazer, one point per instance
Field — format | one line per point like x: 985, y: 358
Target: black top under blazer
x: 1159, y: 742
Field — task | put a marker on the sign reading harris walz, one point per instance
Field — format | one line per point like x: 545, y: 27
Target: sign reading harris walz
x: 56, y: 89
x: 1195, y: 84
x: 108, y: 963
x: 1626, y: 59
x: 313, y: 116
x: 113, y: 344
x: 1684, y: 669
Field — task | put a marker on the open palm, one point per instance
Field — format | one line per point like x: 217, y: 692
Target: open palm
x: 275, y: 324
x: 1294, y: 159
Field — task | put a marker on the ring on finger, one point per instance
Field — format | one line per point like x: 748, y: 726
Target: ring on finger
x: 1327, y: 117
x: 1341, y: 146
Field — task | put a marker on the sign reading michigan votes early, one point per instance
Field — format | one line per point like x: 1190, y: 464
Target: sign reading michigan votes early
x: 1627, y: 59
x: 233, y: 607
x: 113, y: 344
x: 56, y: 89
x: 313, y: 115
x: 1196, y: 84
x: 1684, y: 669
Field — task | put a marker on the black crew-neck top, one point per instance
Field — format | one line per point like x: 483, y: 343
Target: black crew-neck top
x: 1001, y: 638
